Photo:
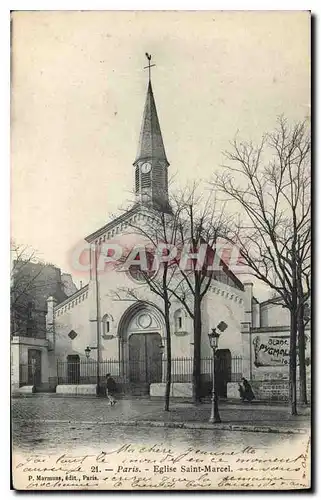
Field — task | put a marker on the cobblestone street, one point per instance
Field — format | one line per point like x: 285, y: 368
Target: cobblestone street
x: 64, y: 437
x: 49, y: 421
x: 47, y: 428
x: 92, y: 409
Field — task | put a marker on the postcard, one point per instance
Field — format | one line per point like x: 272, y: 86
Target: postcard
x: 160, y: 250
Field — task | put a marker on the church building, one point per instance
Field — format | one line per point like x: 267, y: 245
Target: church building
x: 126, y: 334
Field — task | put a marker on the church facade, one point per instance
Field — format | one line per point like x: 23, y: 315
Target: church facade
x: 132, y: 345
x: 97, y: 330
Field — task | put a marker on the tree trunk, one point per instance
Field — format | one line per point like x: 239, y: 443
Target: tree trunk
x: 197, y: 351
x: 169, y: 357
x: 302, y: 366
x: 292, y: 373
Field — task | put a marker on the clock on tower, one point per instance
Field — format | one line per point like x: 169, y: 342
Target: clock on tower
x: 146, y: 167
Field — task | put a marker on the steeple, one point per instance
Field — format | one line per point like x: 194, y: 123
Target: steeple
x: 151, y: 164
x: 150, y: 144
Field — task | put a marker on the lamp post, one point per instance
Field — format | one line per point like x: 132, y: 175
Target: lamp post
x: 214, y: 338
x: 215, y: 416
x: 87, y: 353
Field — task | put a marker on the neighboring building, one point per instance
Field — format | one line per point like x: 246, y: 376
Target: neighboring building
x: 31, y: 284
x: 266, y: 347
x: 69, y: 286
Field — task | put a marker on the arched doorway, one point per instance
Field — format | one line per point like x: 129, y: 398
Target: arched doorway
x: 223, y: 371
x: 140, y: 332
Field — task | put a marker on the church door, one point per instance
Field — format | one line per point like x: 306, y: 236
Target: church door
x: 34, y: 367
x: 73, y: 369
x: 145, y: 358
x: 223, y: 369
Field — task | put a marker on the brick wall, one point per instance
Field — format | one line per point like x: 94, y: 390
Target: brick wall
x: 276, y: 390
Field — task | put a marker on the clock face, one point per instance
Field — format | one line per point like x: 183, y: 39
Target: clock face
x: 146, y: 168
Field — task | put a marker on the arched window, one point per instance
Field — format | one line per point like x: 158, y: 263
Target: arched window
x: 106, y: 324
x: 179, y: 320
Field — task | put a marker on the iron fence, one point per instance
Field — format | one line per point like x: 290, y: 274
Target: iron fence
x: 146, y: 371
x: 139, y: 370
x: 85, y: 372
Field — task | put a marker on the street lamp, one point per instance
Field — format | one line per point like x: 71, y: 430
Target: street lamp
x: 213, y: 339
x: 87, y: 351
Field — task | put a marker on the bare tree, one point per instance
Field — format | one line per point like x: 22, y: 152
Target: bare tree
x: 21, y: 287
x: 270, y: 184
x: 200, y: 224
x: 30, y: 285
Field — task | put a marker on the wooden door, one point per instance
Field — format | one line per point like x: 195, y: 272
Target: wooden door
x: 73, y: 369
x: 34, y: 367
x: 145, y: 358
x: 154, y: 357
x: 223, y: 369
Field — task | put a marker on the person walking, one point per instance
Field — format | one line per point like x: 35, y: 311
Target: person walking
x: 110, y: 389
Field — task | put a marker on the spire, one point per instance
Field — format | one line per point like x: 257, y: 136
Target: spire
x: 151, y: 165
x: 150, y: 144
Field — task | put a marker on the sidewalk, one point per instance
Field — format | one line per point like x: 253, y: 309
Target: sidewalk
x: 247, y: 417
x: 258, y: 417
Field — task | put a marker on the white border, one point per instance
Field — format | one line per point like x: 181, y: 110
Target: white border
x: 5, y: 8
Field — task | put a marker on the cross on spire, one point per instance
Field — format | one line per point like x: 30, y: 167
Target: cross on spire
x: 149, y: 64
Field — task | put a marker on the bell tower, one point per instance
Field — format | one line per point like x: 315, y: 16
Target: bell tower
x: 151, y: 164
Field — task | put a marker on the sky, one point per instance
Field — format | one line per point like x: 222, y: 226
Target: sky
x: 77, y: 98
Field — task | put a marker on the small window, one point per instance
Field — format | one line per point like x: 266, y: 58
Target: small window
x: 106, y: 324
x: 179, y: 320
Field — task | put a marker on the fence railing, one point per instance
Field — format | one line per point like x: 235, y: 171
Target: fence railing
x: 146, y: 371
x: 140, y: 370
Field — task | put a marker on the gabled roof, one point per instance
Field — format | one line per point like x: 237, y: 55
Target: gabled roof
x: 150, y: 144
x: 110, y: 225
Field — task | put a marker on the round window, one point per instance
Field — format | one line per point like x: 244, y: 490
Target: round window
x: 139, y: 275
x: 144, y: 321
